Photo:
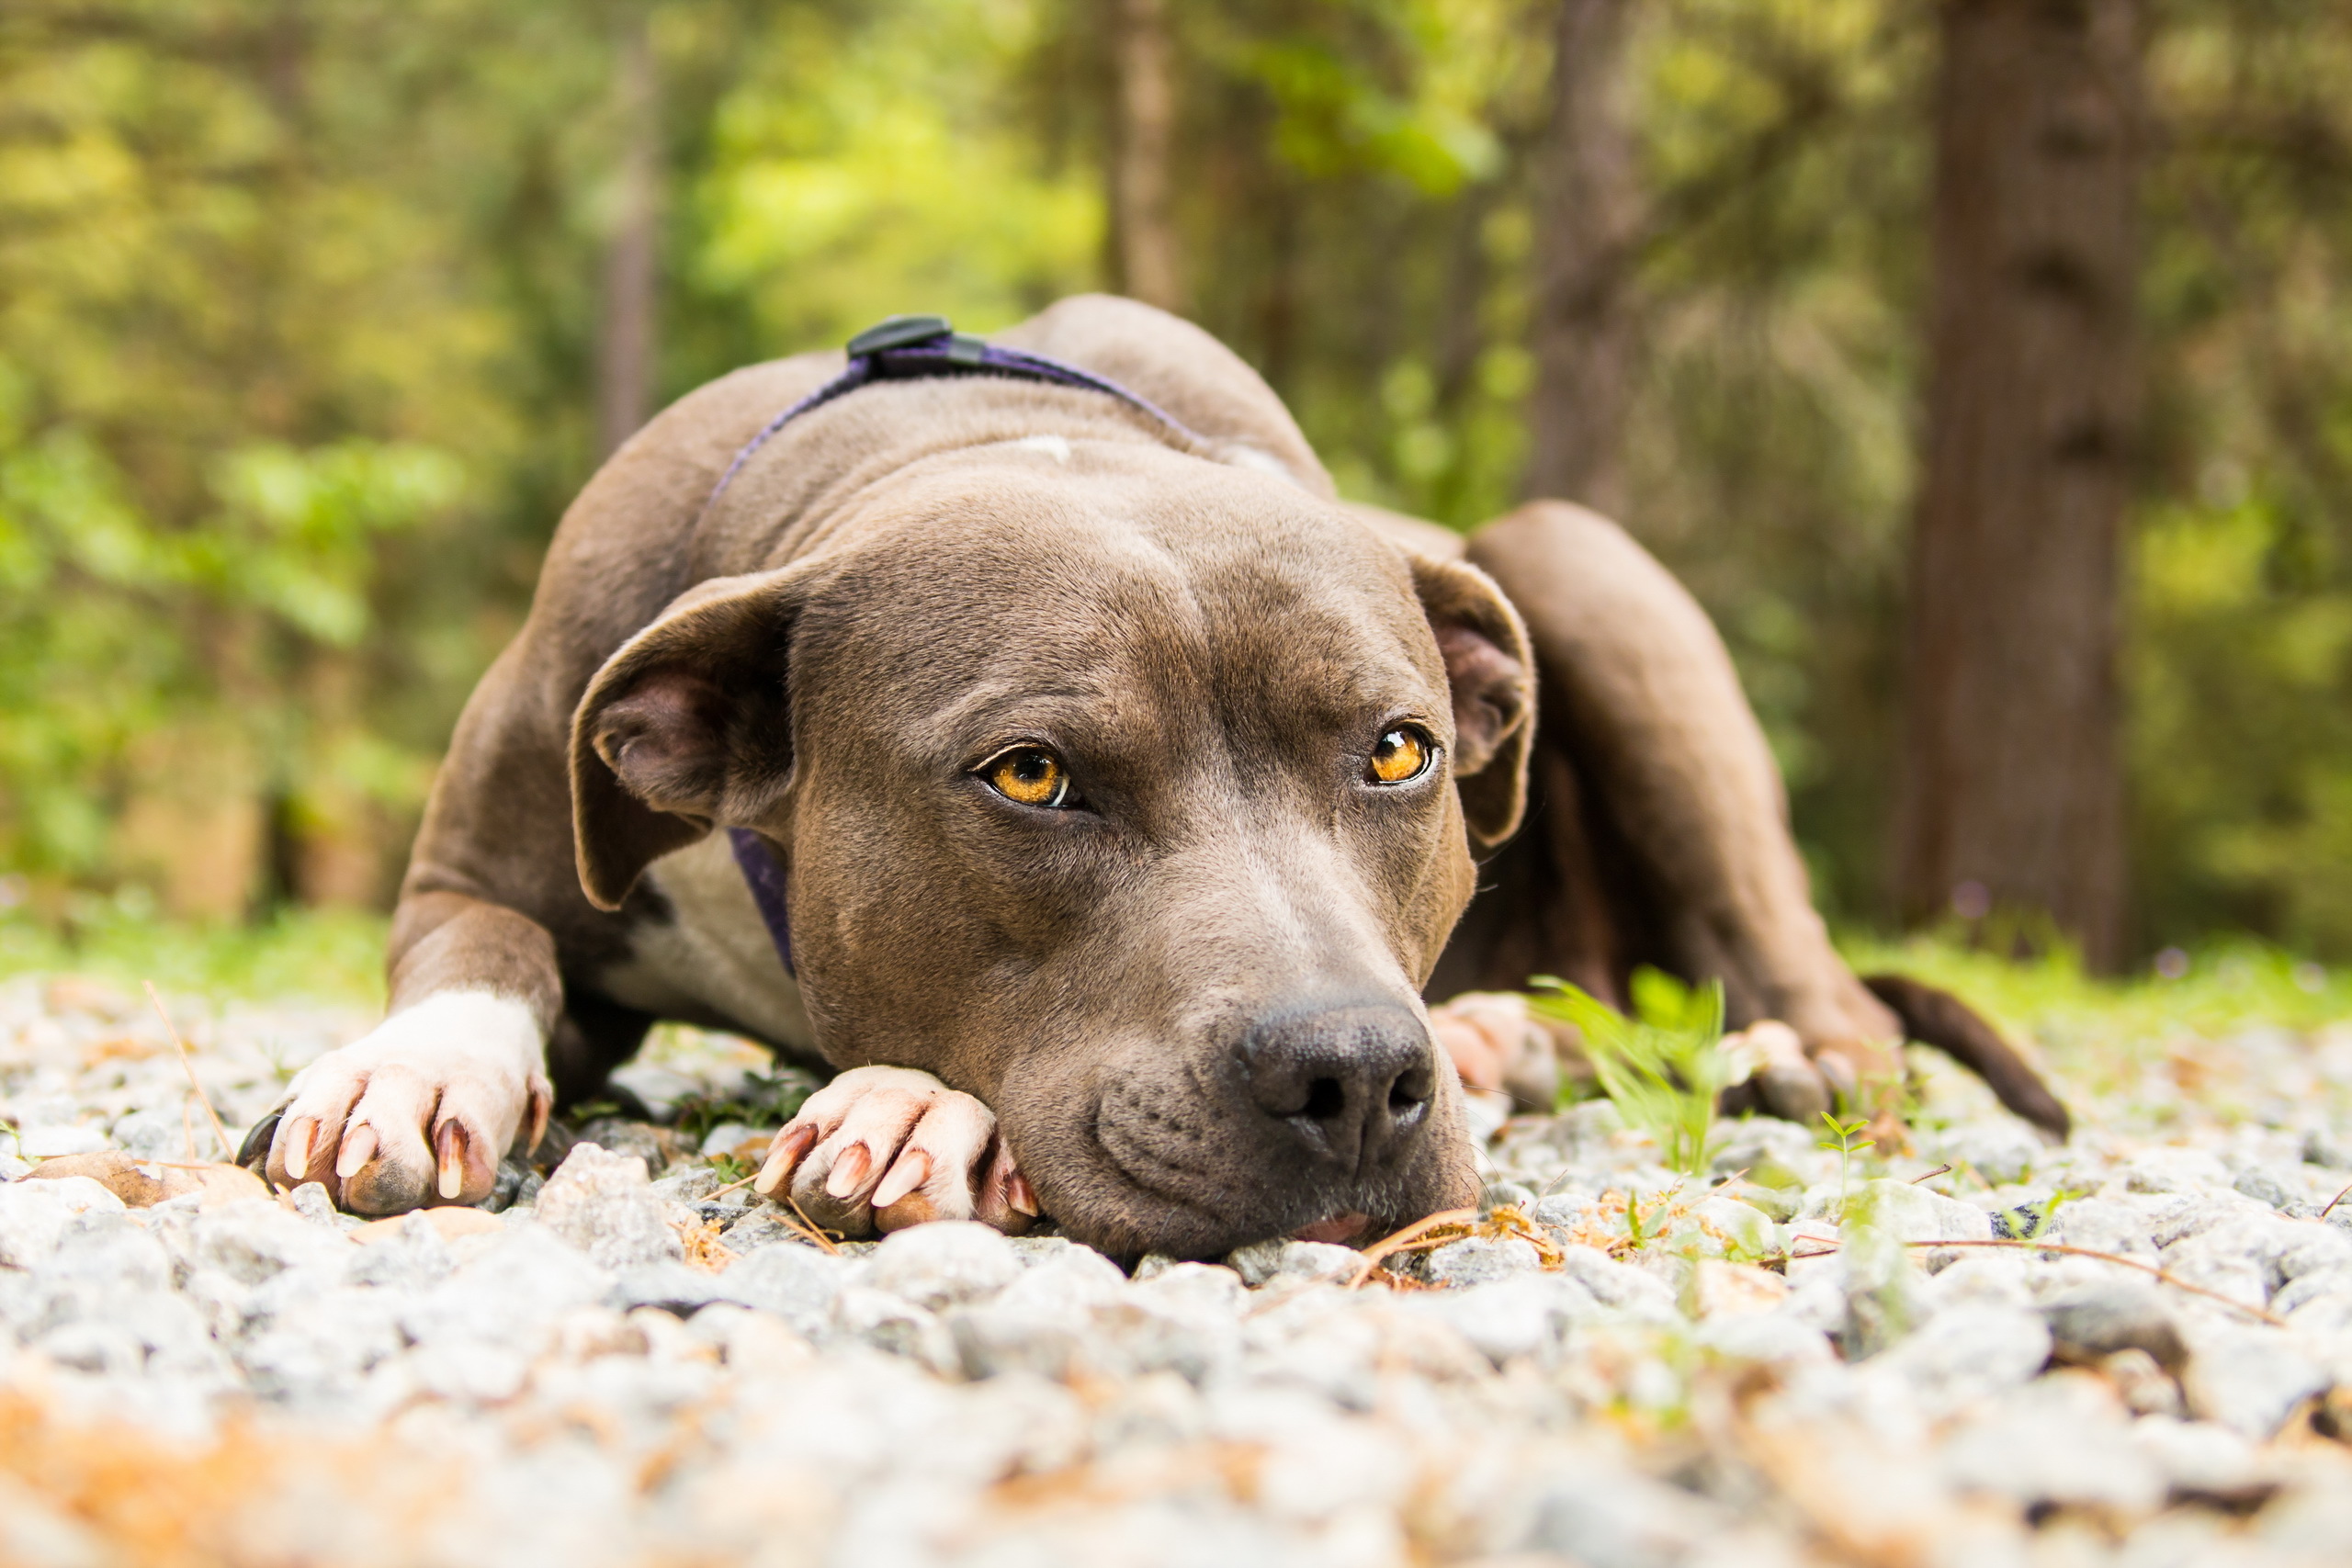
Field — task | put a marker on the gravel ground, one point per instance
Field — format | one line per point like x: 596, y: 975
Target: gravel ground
x: 617, y: 1371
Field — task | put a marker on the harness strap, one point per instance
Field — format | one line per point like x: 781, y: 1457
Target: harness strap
x: 903, y: 348
x: 912, y: 348
x: 766, y: 879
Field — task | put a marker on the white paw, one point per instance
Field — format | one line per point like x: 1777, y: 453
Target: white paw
x: 420, y: 1109
x: 883, y: 1149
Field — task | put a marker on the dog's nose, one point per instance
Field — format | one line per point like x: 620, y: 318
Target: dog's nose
x: 1352, y: 1083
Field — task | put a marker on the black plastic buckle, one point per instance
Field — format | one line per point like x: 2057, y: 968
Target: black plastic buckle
x: 898, y: 332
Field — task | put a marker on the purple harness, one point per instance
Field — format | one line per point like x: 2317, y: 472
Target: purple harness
x: 904, y: 348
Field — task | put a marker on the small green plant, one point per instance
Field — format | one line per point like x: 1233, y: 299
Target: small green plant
x: 732, y: 1171
x: 1663, y: 1067
x: 1847, y: 1141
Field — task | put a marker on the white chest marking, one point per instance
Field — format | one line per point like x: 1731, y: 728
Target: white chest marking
x: 714, y: 955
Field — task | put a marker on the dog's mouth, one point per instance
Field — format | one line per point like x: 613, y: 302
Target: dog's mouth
x: 1339, y: 1230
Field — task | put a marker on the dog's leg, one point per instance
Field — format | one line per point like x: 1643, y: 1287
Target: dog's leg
x: 883, y: 1149
x: 421, y: 1108
x: 1674, y: 786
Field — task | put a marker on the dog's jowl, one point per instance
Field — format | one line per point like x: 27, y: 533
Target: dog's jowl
x: 1025, y: 733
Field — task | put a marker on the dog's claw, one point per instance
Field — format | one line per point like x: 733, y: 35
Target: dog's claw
x: 784, y: 1156
x: 1020, y: 1195
x: 299, y: 1134
x: 912, y: 1169
x: 450, y: 1151
x: 359, y: 1148
x: 850, y: 1168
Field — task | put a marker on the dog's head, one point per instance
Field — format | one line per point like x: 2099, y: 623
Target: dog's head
x: 1134, y: 794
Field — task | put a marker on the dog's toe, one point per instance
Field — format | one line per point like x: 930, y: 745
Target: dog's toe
x: 883, y: 1149
x: 418, y: 1112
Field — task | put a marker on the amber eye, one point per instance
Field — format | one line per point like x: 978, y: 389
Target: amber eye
x: 1030, y: 774
x: 1402, y: 755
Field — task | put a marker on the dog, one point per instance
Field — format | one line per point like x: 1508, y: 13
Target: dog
x: 1025, y: 733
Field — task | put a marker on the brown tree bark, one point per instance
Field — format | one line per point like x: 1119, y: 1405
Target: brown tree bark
x: 1150, y: 268
x: 1587, y: 217
x: 2012, y: 790
x: 625, y: 344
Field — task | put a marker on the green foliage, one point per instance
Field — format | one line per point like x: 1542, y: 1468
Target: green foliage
x: 764, y: 1099
x: 1846, y: 1141
x: 299, y: 318
x: 1662, y: 1068
x: 327, y: 955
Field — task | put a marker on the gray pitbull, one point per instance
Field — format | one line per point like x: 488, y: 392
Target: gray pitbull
x: 1100, y: 796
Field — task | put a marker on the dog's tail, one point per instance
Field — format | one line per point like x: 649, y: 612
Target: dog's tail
x: 1940, y: 1019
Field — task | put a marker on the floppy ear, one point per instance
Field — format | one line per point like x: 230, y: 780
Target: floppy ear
x: 686, y: 728
x: 1491, y: 672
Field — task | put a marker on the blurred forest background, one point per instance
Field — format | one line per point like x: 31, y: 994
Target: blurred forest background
x: 1981, y: 364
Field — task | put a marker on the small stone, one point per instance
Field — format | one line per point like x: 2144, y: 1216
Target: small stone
x: 2062, y: 1440
x: 752, y: 1342
x: 510, y: 1294
x: 688, y: 1184
x: 2202, y: 1462
x: 1477, y: 1259
x: 2104, y: 1226
x: 2004, y: 1153
x: 34, y: 1215
x: 1721, y: 1289
x: 2250, y: 1379
x: 602, y: 1203
x: 795, y: 1282
x: 310, y: 1201
x: 2145, y: 1388
x: 761, y: 1225
x: 1779, y: 1204
x: 256, y: 1240
x: 2174, y: 1170
x: 410, y: 1253
x: 1316, y: 1260
x: 57, y: 1141
x: 151, y: 1135
x: 1777, y: 1338
x: 1614, y: 1284
x: 1967, y: 1353
x: 672, y: 1286
x: 943, y: 1263
x: 2263, y: 1187
x: 2090, y: 1323
x: 1000, y: 1336
x: 1525, y: 1314
x: 449, y: 1223
x: 887, y: 1321
x: 1607, y: 1517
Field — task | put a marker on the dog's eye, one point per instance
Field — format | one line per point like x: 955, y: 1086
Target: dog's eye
x: 1032, y: 775
x: 1402, y: 755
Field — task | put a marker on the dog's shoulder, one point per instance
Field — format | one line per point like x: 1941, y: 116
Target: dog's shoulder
x: 1183, y: 370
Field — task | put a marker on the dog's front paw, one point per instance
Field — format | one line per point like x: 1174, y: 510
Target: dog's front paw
x: 883, y: 1149
x: 419, y: 1110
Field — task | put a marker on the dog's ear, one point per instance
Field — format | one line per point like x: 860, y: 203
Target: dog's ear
x: 1491, y: 672
x: 686, y: 728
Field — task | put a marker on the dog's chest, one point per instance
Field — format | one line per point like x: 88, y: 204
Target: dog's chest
x: 713, y: 959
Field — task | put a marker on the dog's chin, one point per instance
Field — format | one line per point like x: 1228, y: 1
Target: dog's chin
x: 1123, y: 1220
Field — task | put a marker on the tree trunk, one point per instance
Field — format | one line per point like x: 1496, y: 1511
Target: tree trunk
x: 2012, y: 791
x: 1586, y: 220
x: 1149, y: 268
x: 626, y: 340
